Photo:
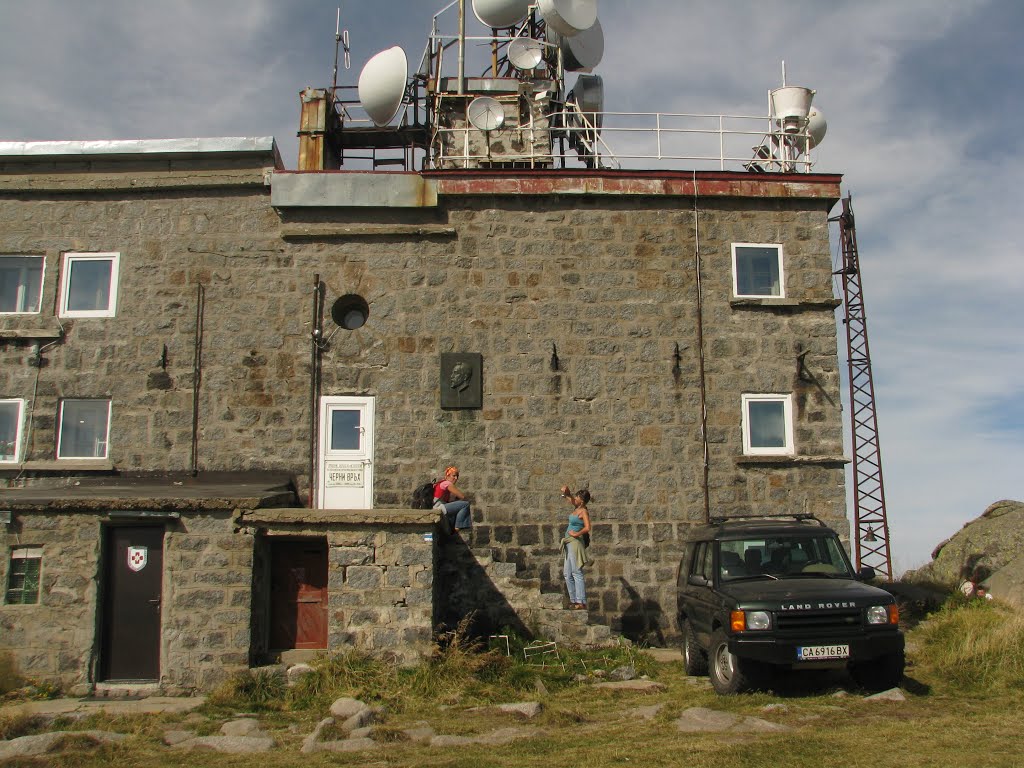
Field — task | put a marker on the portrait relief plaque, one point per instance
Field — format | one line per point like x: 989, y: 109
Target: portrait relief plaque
x: 462, y: 380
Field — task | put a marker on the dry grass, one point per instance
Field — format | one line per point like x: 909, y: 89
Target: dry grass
x: 962, y: 700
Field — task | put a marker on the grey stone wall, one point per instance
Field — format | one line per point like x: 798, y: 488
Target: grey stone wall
x: 380, y: 577
x: 53, y: 640
x: 205, y: 605
x: 608, y: 282
x: 207, y: 602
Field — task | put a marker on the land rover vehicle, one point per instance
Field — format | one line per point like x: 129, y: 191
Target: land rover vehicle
x: 763, y: 595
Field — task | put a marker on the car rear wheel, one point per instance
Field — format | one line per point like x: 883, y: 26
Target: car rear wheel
x: 728, y: 673
x: 695, y: 661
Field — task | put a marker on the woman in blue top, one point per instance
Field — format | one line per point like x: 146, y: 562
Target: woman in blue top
x: 574, y: 547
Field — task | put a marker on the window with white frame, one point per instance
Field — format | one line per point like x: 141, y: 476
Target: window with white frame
x: 23, y: 576
x: 21, y: 284
x: 84, y: 427
x: 89, y: 285
x: 10, y: 430
x: 768, y: 425
x: 757, y: 270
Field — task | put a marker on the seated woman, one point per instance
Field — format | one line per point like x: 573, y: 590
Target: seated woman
x: 449, y: 499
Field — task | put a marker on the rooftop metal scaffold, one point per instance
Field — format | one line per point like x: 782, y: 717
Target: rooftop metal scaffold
x: 872, y: 527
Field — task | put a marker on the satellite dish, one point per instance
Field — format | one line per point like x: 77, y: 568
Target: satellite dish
x: 588, y: 93
x: 486, y: 113
x: 382, y: 85
x: 568, y: 17
x: 583, y: 52
x: 816, y: 126
x: 501, y: 13
x: 525, y: 53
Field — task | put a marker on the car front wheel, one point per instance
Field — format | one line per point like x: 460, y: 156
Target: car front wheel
x: 729, y: 674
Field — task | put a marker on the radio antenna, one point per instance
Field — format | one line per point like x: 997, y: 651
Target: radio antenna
x: 340, y: 42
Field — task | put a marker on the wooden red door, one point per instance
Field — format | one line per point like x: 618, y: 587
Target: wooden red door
x: 298, y: 594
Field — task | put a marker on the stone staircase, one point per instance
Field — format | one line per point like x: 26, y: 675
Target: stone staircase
x: 470, y: 580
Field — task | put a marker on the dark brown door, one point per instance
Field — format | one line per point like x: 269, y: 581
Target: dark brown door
x: 298, y: 590
x: 132, y: 579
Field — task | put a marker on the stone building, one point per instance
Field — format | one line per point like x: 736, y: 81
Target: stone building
x: 231, y: 377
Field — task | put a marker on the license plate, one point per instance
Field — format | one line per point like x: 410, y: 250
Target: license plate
x: 815, y: 652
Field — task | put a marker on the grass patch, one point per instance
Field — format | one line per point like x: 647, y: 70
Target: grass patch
x: 973, y: 646
x: 250, y: 690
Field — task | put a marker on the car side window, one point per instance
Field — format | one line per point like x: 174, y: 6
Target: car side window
x: 699, y: 566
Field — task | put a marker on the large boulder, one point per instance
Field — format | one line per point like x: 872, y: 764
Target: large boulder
x: 988, y: 550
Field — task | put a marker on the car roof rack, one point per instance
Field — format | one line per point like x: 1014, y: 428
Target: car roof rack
x: 800, y: 517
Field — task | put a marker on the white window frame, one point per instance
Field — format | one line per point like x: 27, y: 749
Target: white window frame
x: 736, y: 278
x: 789, y: 448
x: 42, y: 283
x: 70, y: 259
x: 60, y: 429
x: 18, y: 430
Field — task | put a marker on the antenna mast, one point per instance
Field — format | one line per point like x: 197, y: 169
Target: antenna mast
x: 870, y: 522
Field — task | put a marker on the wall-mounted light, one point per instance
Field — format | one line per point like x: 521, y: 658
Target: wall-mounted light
x: 869, y: 535
x: 802, y: 372
x: 554, y: 357
x: 162, y: 362
x: 677, y: 358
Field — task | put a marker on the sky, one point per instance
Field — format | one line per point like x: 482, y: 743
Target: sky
x: 922, y: 99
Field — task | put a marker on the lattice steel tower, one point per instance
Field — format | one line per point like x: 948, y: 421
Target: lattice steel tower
x: 872, y: 527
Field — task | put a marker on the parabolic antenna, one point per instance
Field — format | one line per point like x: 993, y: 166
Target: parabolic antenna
x: 525, y: 53
x: 382, y: 85
x: 568, y: 17
x: 588, y: 93
x: 816, y: 126
x: 501, y: 13
x: 583, y: 52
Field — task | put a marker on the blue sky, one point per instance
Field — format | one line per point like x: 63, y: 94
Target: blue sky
x: 922, y: 98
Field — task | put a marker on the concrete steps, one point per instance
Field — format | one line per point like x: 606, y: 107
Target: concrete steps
x: 503, y: 597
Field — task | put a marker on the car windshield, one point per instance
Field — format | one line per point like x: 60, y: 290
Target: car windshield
x: 780, y: 557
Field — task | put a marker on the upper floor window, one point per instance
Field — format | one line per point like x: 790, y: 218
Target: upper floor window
x: 84, y: 429
x: 23, y: 575
x: 10, y: 429
x: 768, y: 425
x: 21, y: 284
x: 89, y: 285
x: 757, y: 270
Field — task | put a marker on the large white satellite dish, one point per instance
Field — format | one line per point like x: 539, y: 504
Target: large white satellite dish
x: 568, y: 17
x: 501, y: 13
x: 525, y: 53
x: 382, y: 85
x: 583, y: 52
x: 816, y: 126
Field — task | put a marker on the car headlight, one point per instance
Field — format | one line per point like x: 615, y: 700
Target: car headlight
x: 759, y: 620
x: 883, y: 614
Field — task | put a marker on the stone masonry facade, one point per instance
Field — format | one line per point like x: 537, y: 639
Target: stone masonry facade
x: 581, y: 299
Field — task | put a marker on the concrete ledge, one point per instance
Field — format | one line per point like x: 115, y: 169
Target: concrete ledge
x: 792, y: 461
x: 829, y: 304
x: 43, y: 334
x: 351, y: 189
x: 321, y: 517
x: 349, y: 231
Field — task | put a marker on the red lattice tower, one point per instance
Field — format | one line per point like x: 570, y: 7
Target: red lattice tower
x: 870, y: 523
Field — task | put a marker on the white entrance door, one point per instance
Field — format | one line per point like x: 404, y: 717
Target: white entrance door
x: 346, y: 453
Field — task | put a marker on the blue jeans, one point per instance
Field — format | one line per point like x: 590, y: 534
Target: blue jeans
x: 574, y: 579
x: 458, y: 513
